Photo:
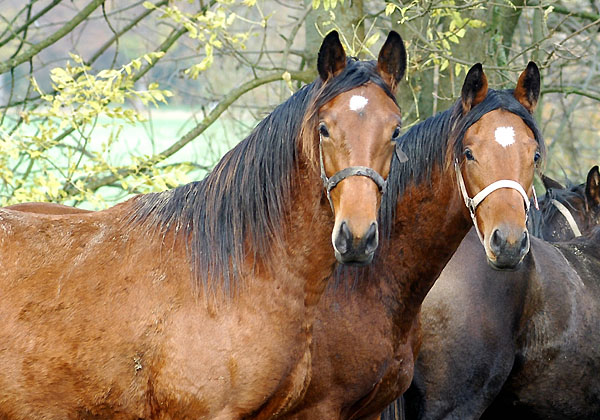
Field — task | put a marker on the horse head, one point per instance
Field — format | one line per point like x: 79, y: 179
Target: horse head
x: 498, y: 158
x: 357, y: 130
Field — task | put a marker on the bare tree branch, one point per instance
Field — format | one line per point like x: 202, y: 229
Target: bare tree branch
x: 64, y: 30
x: 97, y: 182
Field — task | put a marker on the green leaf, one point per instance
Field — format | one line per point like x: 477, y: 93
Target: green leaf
x: 457, y: 68
x: 389, y: 9
x: 372, y: 40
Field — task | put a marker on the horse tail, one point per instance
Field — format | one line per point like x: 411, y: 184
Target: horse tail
x: 394, y: 411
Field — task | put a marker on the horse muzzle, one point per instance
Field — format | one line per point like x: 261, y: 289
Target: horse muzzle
x: 353, y: 250
x: 506, y: 250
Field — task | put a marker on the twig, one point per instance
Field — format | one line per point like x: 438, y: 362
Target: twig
x: 64, y: 30
x: 97, y: 182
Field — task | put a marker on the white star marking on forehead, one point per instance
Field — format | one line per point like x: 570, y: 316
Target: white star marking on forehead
x: 505, y: 136
x: 358, y: 103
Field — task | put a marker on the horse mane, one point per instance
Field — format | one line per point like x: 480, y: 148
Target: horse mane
x: 548, y: 211
x: 239, y: 208
x: 426, y: 145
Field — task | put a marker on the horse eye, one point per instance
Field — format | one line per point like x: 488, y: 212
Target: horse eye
x: 536, y: 157
x: 323, y: 130
x: 469, y: 154
x: 396, y: 133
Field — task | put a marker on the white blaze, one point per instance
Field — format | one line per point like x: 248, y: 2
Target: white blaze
x: 358, y: 103
x: 505, y: 136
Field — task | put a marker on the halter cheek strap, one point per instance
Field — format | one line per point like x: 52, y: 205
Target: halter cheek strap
x: 331, y: 183
x: 567, y: 215
x: 473, y: 203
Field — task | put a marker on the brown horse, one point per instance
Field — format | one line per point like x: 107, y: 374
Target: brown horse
x: 367, y: 328
x: 523, y: 345
x: 198, y: 302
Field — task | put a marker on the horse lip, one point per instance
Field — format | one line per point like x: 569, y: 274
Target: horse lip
x: 352, y: 259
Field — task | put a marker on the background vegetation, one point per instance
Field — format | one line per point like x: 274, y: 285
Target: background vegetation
x: 101, y: 99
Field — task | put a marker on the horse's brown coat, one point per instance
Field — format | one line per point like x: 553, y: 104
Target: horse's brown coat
x: 101, y: 317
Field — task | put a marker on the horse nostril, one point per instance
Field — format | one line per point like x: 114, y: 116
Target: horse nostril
x: 524, y: 242
x: 497, y: 241
x: 343, y: 240
x: 371, y: 239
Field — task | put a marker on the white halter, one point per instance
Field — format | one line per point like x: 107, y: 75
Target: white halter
x: 567, y: 215
x: 473, y: 203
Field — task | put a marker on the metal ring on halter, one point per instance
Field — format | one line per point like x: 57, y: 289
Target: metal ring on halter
x: 567, y: 215
x: 473, y: 203
x: 331, y: 183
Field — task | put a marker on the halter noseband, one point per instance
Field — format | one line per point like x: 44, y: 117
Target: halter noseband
x: 331, y: 183
x: 567, y: 215
x: 473, y: 203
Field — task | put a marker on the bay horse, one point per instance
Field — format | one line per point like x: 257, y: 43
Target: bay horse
x: 524, y: 344
x: 198, y: 302
x: 366, y: 332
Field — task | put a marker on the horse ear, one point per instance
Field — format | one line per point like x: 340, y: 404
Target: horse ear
x: 592, y: 187
x: 474, y: 88
x: 391, y: 62
x: 528, y: 87
x: 332, y: 58
x: 551, y: 183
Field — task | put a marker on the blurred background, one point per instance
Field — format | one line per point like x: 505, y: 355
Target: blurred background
x: 103, y: 99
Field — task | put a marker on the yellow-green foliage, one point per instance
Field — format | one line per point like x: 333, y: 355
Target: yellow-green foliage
x: 54, y: 151
x: 439, y: 37
x: 61, y: 128
x: 210, y: 28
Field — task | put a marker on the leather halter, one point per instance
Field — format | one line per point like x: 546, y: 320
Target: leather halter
x: 331, y: 182
x: 473, y: 203
x: 567, y: 215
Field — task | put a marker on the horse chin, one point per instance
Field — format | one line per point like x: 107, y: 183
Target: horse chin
x: 505, y: 266
x: 354, y: 259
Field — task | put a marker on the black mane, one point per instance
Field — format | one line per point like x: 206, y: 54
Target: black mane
x: 239, y: 208
x: 547, y: 211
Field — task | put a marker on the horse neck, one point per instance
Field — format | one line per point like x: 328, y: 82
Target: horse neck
x: 308, y: 253
x: 431, y: 221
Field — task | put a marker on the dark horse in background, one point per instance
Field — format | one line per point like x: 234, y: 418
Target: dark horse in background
x: 522, y: 344
x: 198, y: 302
x: 366, y: 329
x: 566, y: 211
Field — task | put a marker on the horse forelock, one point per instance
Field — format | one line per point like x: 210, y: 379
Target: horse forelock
x: 238, y: 210
x: 355, y: 74
x: 496, y: 99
